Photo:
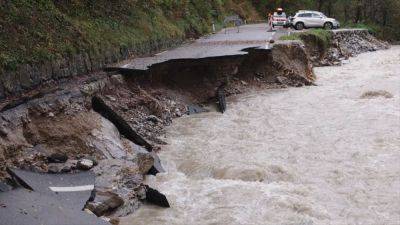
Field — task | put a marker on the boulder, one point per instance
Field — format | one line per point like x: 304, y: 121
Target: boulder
x: 148, y: 166
x: 85, y: 164
x: 105, y: 203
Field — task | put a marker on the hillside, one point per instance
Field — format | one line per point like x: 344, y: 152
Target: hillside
x: 36, y: 31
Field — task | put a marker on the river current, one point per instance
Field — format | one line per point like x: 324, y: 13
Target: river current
x: 326, y: 154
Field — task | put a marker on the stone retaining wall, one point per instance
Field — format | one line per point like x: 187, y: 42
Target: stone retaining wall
x: 29, y: 76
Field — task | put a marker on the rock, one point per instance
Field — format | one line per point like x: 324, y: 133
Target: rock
x: 53, y: 168
x: 105, y: 203
x: 154, y: 119
x: 57, y: 158
x: 111, y: 98
x: 62, y: 167
x: 151, y: 166
x: 194, y: 109
x: 3, y: 132
x: 178, y: 113
x: 140, y: 192
x: 117, y: 79
x: 376, y: 94
x: 157, y: 167
x: 155, y: 197
x: 66, y: 169
x: 85, y: 164
x: 282, y: 80
x: 114, y: 221
x: 221, y: 98
x: 145, y: 162
x: 93, y: 159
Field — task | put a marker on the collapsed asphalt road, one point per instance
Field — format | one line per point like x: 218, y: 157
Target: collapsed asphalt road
x: 229, y: 43
x: 108, y: 122
x: 48, y: 199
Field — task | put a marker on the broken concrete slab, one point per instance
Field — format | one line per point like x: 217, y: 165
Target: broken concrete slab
x: 155, y: 197
x: 123, y: 127
x: 221, y: 98
x: 24, y: 207
x: 72, y: 189
x: 124, y: 71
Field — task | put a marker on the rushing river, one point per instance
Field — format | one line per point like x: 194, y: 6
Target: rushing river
x: 310, y: 155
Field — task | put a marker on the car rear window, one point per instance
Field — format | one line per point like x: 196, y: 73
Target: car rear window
x: 279, y: 15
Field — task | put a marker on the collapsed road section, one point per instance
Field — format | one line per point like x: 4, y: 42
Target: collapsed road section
x: 112, y: 122
x: 48, y: 199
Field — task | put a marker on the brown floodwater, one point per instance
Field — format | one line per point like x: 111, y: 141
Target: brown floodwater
x: 326, y: 154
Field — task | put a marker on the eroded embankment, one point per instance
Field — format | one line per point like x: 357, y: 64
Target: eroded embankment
x: 117, y: 119
x: 332, y: 47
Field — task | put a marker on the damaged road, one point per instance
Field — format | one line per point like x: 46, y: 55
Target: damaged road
x: 48, y: 199
x: 111, y: 124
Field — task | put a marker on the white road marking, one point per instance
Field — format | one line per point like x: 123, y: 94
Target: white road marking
x: 72, y: 189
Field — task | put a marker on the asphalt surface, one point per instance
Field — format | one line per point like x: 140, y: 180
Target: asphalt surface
x: 48, y: 199
x: 227, y: 42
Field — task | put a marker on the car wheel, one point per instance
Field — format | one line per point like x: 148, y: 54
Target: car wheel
x: 328, y: 26
x: 299, y: 26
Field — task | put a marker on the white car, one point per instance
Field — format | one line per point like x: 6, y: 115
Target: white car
x: 313, y: 19
x: 279, y: 19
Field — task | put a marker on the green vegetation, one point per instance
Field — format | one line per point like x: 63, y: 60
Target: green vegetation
x: 317, y: 37
x: 40, y: 30
x: 382, y: 17
x: 33, y: 31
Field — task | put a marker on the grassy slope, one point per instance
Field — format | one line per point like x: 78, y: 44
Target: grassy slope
x: 38, y: 30
x: 320, y: 37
